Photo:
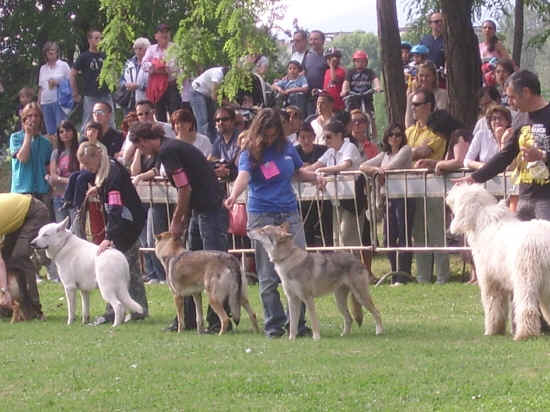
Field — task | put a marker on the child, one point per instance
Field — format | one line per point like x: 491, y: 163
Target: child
x: 334, y: 79
x: 419, y: 54
x: 293, y: 84
x: 26, y: 96
x: 360, y: 79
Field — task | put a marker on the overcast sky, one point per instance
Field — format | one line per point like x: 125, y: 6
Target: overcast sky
x: 339, y: 15
x: 336, y: 15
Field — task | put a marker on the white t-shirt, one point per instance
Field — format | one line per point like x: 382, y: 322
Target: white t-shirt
x: 59, y: 71
x: 348, y: 151
x: 205, y: 83
x: 319, y: 133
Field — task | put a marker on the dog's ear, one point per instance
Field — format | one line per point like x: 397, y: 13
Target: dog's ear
x: 63, y: 225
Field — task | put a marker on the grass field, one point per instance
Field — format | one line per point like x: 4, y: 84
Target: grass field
x: 432, y: 356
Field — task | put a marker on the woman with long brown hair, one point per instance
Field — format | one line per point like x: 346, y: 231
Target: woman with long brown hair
x: 267, y: 167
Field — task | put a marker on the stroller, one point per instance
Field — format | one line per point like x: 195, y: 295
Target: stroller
x: 250, y: 101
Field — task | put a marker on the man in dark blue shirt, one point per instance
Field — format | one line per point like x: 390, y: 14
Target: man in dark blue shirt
x: 434, y: 41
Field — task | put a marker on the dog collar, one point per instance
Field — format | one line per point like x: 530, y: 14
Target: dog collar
x: 52, y: 256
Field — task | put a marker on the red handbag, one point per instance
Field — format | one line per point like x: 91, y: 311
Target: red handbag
x: 237, y: 219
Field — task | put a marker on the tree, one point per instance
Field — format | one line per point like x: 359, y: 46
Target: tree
x: 394, y: 81
x: 222, y: 32
x: 518, y: 32
x: 209, y: 33
x: 463, y: 60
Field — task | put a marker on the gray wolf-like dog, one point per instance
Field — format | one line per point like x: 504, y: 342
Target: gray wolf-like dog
x: 512, y: 260
x: 80, y: 268
x: 306, y: 275
x: 218, y: 273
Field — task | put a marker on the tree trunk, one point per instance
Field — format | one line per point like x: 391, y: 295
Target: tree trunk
x: 390, y: 55
x: 518, y: 32
x: 463, y: 60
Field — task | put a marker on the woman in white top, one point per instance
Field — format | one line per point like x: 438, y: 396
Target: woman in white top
x: 485, y: 145
x: 341, y: 155
x: 185, y: 126
x: 51, y: 74
x: 396, y: 154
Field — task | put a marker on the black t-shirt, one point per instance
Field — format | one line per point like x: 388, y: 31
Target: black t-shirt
x: 112, y: 139
x: 539, y: 126
x: 316, y: 153
x: 360, y: 80
x: 89, y: 64
x: 177, y: 157
x: 124, y: 212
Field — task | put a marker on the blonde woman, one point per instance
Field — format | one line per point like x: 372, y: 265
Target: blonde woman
x: 124, y: 215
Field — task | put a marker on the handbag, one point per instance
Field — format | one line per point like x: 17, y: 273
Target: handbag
x: 237, y: 219
x: 122, y: 96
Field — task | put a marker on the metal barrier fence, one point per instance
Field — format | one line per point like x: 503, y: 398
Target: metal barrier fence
x: 352, y: 204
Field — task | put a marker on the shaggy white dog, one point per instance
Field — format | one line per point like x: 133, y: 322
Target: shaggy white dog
x: 512, y: 259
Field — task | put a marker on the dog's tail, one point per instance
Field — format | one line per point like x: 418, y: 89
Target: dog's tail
x: 130, y: 304
x: 356, y: 310
x: 236, y: 290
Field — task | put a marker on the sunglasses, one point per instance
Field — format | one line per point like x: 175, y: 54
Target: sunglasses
x: 99, y: 111
x: 222, y: 119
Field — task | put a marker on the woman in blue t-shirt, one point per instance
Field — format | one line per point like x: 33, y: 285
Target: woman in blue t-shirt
x: 267, y: 167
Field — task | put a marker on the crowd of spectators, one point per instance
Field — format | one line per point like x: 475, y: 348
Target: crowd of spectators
x: 183, y: 135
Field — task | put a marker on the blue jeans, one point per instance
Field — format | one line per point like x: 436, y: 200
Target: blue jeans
x: 204, y: 109
x: 53, y: 115
x: 153, y: 266
x: 87, y: 107
x: 208, y: 230
x: 275, y: 318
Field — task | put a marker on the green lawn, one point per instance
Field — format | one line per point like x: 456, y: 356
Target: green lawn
x: 433, y: 356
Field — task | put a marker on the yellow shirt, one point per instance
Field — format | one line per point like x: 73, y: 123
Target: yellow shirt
x: 13, y: 211
x: 418, y: 136
x: 521, y: 173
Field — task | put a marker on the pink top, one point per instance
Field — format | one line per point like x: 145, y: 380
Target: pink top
x: 486, y: 54
x: 155, y: 56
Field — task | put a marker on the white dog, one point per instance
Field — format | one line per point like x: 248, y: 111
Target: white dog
x: 80, y: 268
x: 512, y: 259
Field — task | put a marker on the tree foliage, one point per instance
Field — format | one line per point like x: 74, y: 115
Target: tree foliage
x: 358, y: 40
x: 221, y: 33
x: 24, y: 28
